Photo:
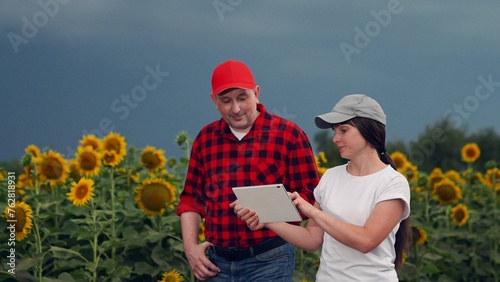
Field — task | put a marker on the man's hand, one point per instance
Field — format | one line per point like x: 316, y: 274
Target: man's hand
x: 201, y: 266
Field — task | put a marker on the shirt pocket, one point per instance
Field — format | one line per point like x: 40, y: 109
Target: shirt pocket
x: 271, y: 172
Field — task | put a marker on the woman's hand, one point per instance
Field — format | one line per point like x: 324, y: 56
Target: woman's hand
x: 248, y: 216
x: 304, y: 207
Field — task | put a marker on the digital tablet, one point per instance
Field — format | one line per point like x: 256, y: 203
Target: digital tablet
x: 271, y: 202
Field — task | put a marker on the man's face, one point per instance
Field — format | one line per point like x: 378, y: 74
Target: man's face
x: 238, y: 107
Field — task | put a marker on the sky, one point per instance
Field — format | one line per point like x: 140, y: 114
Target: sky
x: 69, y: 68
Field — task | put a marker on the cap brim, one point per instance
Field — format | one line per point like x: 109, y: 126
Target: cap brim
x: 239, y: 85
x: 325, y: 121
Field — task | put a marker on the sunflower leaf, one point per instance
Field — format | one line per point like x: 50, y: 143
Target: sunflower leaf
x: 63, y: 253
x: 158, y: 256
x: 143, y: 268
x: 155, y: 236
x: 26, y: 263
x: 66, y: 277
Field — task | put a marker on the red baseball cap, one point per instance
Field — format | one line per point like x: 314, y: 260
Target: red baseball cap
x: 232, y: 74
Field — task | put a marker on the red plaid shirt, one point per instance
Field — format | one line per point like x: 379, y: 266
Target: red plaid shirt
x: 275, y: 150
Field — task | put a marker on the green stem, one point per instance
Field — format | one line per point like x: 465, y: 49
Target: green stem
x: 55, y: 196
x: 468, y: 194
x: 426, y: 208
x: 113, y: 216
x: 159, y: 223
x: 416, y: 255
x: 39, y: 266
x: 448, y: 222
x: 448, y: 219
x: 94, y: 243
x: 496, y: 237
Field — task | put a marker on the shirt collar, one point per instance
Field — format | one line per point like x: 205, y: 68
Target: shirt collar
x: 261, y: 125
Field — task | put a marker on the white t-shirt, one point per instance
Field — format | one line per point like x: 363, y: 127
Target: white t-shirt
x: 239, y: 135
x: 352, y: 199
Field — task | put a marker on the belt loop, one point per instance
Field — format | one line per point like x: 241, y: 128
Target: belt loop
x: 251, y: 252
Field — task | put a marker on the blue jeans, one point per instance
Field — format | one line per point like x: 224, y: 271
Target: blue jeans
x: 275, y: 265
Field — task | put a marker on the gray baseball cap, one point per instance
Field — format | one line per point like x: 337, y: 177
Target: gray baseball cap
x: 350, y: 106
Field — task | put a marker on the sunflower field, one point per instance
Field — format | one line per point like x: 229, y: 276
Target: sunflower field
x: 108, y: 214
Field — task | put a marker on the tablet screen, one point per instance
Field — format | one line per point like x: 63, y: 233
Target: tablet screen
x: 271, y: 202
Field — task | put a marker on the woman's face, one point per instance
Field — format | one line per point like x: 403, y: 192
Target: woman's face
x: 349, y: 141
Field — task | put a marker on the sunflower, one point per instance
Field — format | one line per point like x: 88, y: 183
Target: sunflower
x: 321, y: 163
x: 492, y: 178
x: 21, y: 183
x: 172, y: 276
x: 470, y: 152
x: 129, y: 173
x: 135, y: 178
x: 322, y: 157
x: 110, y: 158
x: 435, y: 176
x: 478, y: 198
x: 419, y: 191
x: 152, y: 159
x: 81, y: 192
x: 419, y: 235
x: 182, y: 138
x: 471, y: 176
x: 52, y: 167
x: 476, y: 178
x: 322, y: 170
x: 460, y: 214
x: 153, y: 195
x: 405, y: 257
x: 446, y: 191
x: 91, y: 140
x: 74, y: 173
x: 115, y: 142
x: 410, y: 172
x: 455, y: 176
x: 422, y: 180
x: 88, y: 161
x: 22, y: 180
x: 33, y: 150
x: 201, y: 232
x: 21, y: 216
x: 399, y: 159
x: 28, y: 180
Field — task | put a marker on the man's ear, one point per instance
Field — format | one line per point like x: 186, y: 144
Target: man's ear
x: 256, y: 91
x: 214, y: 99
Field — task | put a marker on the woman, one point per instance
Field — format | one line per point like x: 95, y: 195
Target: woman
x: 362, y: 208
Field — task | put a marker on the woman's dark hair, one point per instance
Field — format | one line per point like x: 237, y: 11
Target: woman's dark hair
x: 374, y: 133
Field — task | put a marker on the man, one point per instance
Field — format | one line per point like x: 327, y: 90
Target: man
x: 247, y: 146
